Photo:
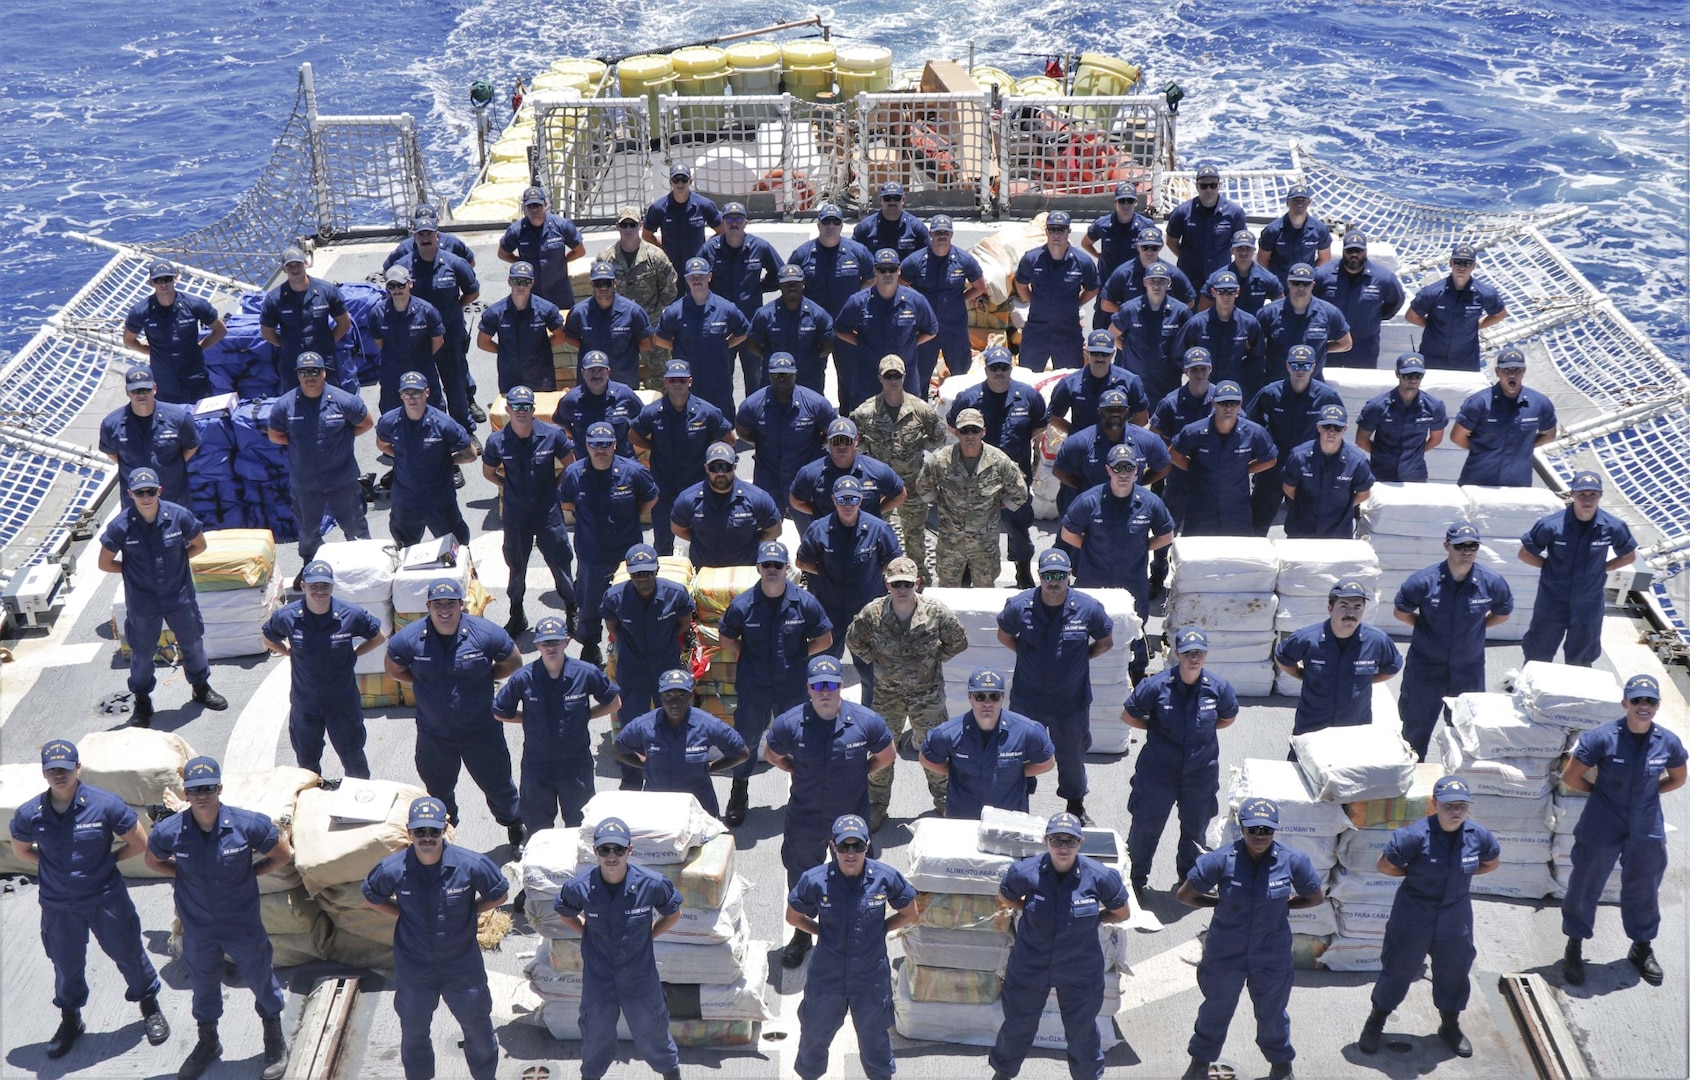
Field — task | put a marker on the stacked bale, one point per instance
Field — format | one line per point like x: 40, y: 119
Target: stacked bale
x: 1405, y: 523
x: 215, y: 494
x: 363, y: 575
x: 1502, y: 515
x: 948, y: 984
x: 1225, y: 584
x: 713, y: 972
x: 243, y: 362
x: 713, y: 589
x: 409, y: 587
x: 236, y: 590
x: 263, y: 468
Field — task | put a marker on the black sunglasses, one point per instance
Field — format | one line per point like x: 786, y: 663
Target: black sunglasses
x: 986, y: 695
x: 426, y: 834
x: 853, y: 847
x: 610, y: 851
x: 719, y: 467
x: 1259, y: 830
x: 771, y: 565
x: 1209, y: 185
x: 311, y: 372
x: 397, y: 286
x: 144, y: 493
x: 203, y: 789
x: 1055, y: 575
x: 515, y: 281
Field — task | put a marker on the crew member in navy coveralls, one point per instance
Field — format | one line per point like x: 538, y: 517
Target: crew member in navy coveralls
x: 988, y: 753
x: 1571, y: 548
x: 68, y: 831
x: 451, y: 660
x: 677, y: 221
x: 1231, y: 335
x: 409, y: 336
x: 149, y: 433
x: 705, y: 330
x: 843, y: 903
x: 1396, y: 428
x: 1368, y: 294
x: 427, y: 446
x: 1055, y: 280
x: 303, y: 314
x: 1302, y: 318
x: 165, y: 328
x: 722, y: 518
x: 1082, y: 462
x: 1145, y: 329
x: 610, y: 323
x: 1016, y: 416
x: 156, y: 538
x: 893, y: 226
x: 451, y: 245
x: 845, y: 554
x: 216, y: 852
x: 319, y: 424
x: 835, y: 267
x: 449, y: 284
x: 1182, y: 707
x: 1113, y: 240
x: 599, y: 397
x: 1061, y: 897
x: 829, y: 746
x: 668, y: 748
x: 1126, y: 282
x: 437, y: 891
x: 1453, y: 311
x: 676, y: 430
x: 1634, y: 761
x: 1324, y: 480
x: 545, y: 242
x: 1295, y: 236
x: 1256, y: 287
x: 1073, y: 401
x: 1289, y: 409
x: 1337, y: 661
x: 1252, y: 885
x: 742, y: 268
x: 1501, y: 425
x: 885, y: 319
x: 549, y: 697
x: 811, y: 495
x: 1112, y: 529
x: 449, y: 242
x: 951, y: 280
x: 619, y: 908
x: 793, y: 323
x: 787, y: 423
x: 520, y: 331
x: 522, y: 460
x: 1054, y: 632
x: 775, y: 627
x: 320, y: 634
x: 650, y: 620
x: 1200, y: 228
x: 1437, y: 857
x: 1219, y: 455
x: 608, y: 495
x: 1450, y: 605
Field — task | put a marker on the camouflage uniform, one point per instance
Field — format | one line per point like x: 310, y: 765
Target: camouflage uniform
x: 909, y: 679
x: 969, y: 502
x: 900, y: 439
x: 648, y: 281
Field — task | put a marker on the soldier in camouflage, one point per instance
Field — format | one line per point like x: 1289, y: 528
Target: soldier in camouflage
x: 970, y: 482
x: 907, y: 637
x: 644, y: 275
x: 898, y: 429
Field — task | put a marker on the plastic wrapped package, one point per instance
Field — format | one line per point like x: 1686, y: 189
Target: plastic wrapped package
x: 957, y: 986
x: 1360, y: 762
x: 665, y: 825
x: 977, y: 1025
x: 974, y: 950
x: 708, y: 926
x: 563, y: 1021
x: 945, y: 857
x: 1353, y: 886
x: 1526, y: 778
x: 1223, y: 564
x: 234, y: 559
x: 374, y: 662
x: 1394, y: 813
x: 1508, y: 813
x: 410, y: 586
x: 1494, y: 726
x: 329, y: 851
x: 1238, y: 647
x: 714, y: 588
x: 1301, y: 811
x: 677, y: 962
x: 363, y: 570
x: 1357, y: 919
x: 1310, y: 567
x: 1235, y: 612
x: 1414, y: 510
x: 1523, y: 848
x: 1248, y: 680
x: 1345, y: 953
x: 1012, y: 833
x: 1502, y: 512
x: 1524, y: 881
x: 964, y: 911
x: 1317, y: 921
x: 1569, y: 697
x: 1359, y: 849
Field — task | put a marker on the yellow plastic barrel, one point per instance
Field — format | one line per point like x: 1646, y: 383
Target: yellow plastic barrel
x: 508, y: 171
x: 863, y: 69
x: 1038, y: 86
x: 649, y: 76
x: 700, y: 71
x: 491, y: 202
x: 593, y: 70
x: 562, y: 80
x: 754, y: 68
x: 512, y: 147
x: 1097, y: 75
x: 808, y: 67
x: 988, y: 77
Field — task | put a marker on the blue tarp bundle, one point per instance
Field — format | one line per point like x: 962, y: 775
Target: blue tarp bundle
x: 363, y: 304
x: 243, y: 361
x: 239, y: 478
x: 350, y: 360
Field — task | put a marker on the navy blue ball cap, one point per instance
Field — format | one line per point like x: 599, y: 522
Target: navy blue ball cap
x: 139, y: 377
x: 413, y: 380
x: 1208, y: 172
x: 445, y: 589
x: 1064, y: 824
x: 1300, y: 272
x: 1243, y: 238
x: 1100, y: 341
x: 847, y: 485
x: 734, y: 209
x: 674, y: 679
x: 1300, y: 354
x: 519, y: 395
x: 534, y: 196
x: 1158, y: 271
x: 791, y: 272
x: 595, y: 358
x: 1054, y: 559
x: 1461, y: 532
x: 782, y: 363
x: 1058, y: 219
x: 696, y: 266
x: 520, y: 270
x: 772, y: 551
x: 1197, y: 356
x: 1126, y: 191
x: 1299, y: 191
x: 307, y: 360
x: 640, y: 558
x: 680, y: 169
x: 842, y: 428
x: 202, y: 771
x: 886, y: 257
x: 1149, y: 236
x: 1450, y: 789
x: 1582, y: 481
x: 159, y: 269
x: 1226, y: 279
x: 612, y: 830
x: 677, y: 369
x: 997, y: 356
x: 986, y: 679
x: 850, y: 827
x: 1191, y: 639
x: 1642, y: 686
x: 1228, y: 391
x: 426, y: 813
x: 1258, y: 812
x: 824, y: 668
x: 1333, y: 416
x: 721, y: 451
x: 317, y: 572
x: 1510, y: 356
x: 892, y: 188
x: 602, y: 271
x: 600, y: 434
x: 1124, y: 451
x: 1348, y: 589
x: 142, y: 479
x: 1113, y: 398
x: 59, y: 754
x: 551, y: 628
x: 1411, y: 363
x: 829, y: 212
x: 940, y: 223
x: 1355, y: 240
x: 1461, y: 251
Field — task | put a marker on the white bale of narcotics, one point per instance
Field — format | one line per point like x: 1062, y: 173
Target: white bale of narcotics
x: 1356, y: 763
x: 677, y: 961
x: 1513, y: 814
x: 945, y: 857
x: 1518, y: 777
x: 410, y: 586
x: 1504, y: 513
x: 1011, y: 833
x: 1254, y: 679
x: 328, y: 851
x: 664, y: 825
x: 1222, y: 564
x: 978, y: 1024
x: 1521, y: 881
x: 1412, y: 511
x: 1575, y: 698
x: 1310, y: 567
x: 1345, y: 953
x: 1301, y: 810
x: 973, y: 950
x: 1494, y: 726
x: 363, y: 570
x: 1234, y: 612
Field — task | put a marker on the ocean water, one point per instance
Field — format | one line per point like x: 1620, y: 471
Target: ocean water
x: 136, y: 122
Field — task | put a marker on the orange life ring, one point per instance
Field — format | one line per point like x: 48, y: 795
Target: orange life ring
x: 800, y: 193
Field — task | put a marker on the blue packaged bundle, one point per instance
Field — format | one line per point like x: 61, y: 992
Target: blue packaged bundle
x: 242, y: 356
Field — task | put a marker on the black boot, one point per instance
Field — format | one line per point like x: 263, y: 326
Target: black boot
x: 738, y: 797
x: 591, y: 654
x: 275, y: 1049
x: 796, y: 949
x: 1572, y: 963
x: 518, y: 622
x: 1024, y: 574
x: 1077, y: 807
x: 1281, y: 1070
x: 142, y: 714
x: 672, y: 1074
x: 1372, y: 1032
x: 210, y: 698
x: 518, y: 836
x: 207, y: 1050
x: 1450, y: 1032
x: 1197, y: 1070
x: 1642, y: 957
x: 158, y: 1028
x: 70, y: 1029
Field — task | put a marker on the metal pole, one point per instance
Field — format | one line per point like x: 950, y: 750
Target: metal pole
x: 319, y: 175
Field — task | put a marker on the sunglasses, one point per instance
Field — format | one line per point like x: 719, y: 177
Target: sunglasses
x: 891, y: 376
x: 164, y: 280
x: 1468, y: 548
x: 1461, y: 262
x: 1643, y: 700
x: 886, y: 269
x: 900, y: 584
x: 891, y: 198
x: 850, y: 847
x: 831, y: 223
x: 144, y: 493
x: 1413, y: 376
x: 525, y: 282
x: 1339, y: 428
x: 1224, y: 292
x: 1063, y: 841
x: 310, y: 372
x: 426, y: 834
x: 847, y: 500
x: 1056, y: 228
x: 142, y: 391
x: 627, y: 224
x: 1054, y: 575
x: 1211, y: 185
x: 993, y: 695
x: 521, y: 408
x: 771, y: 566
x: 397, y: 286
x: 412, y: 395
x: 1258, y: 830
x: 1302, y: 284
x: 601, y: 446
x: 720, y: 467
x: 610, y: 851
x: 1123, y: 468
x: 203, y: 789
x: 604, y: 284
x: 842, y: 440
x: 680, y: 180
x: 970, y: 431
x: 1300, y: 365
x: 1150, y: 247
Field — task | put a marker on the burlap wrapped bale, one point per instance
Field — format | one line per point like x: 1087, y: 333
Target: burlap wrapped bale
x: 138, y: 765
x: 328, y: 852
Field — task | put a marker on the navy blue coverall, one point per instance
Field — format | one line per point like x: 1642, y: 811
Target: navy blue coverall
x: 830, y: 767
x: 1052, y: 681
x: 529, y: 509
x: 1433, y: 911
x: 1446, y: 655
x: 323, y: 691
x: 774, y: 635
x: 557, y: 749
x: 1180, y: 764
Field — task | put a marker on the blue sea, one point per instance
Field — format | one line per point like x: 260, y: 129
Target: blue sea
x: 140, y: 122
